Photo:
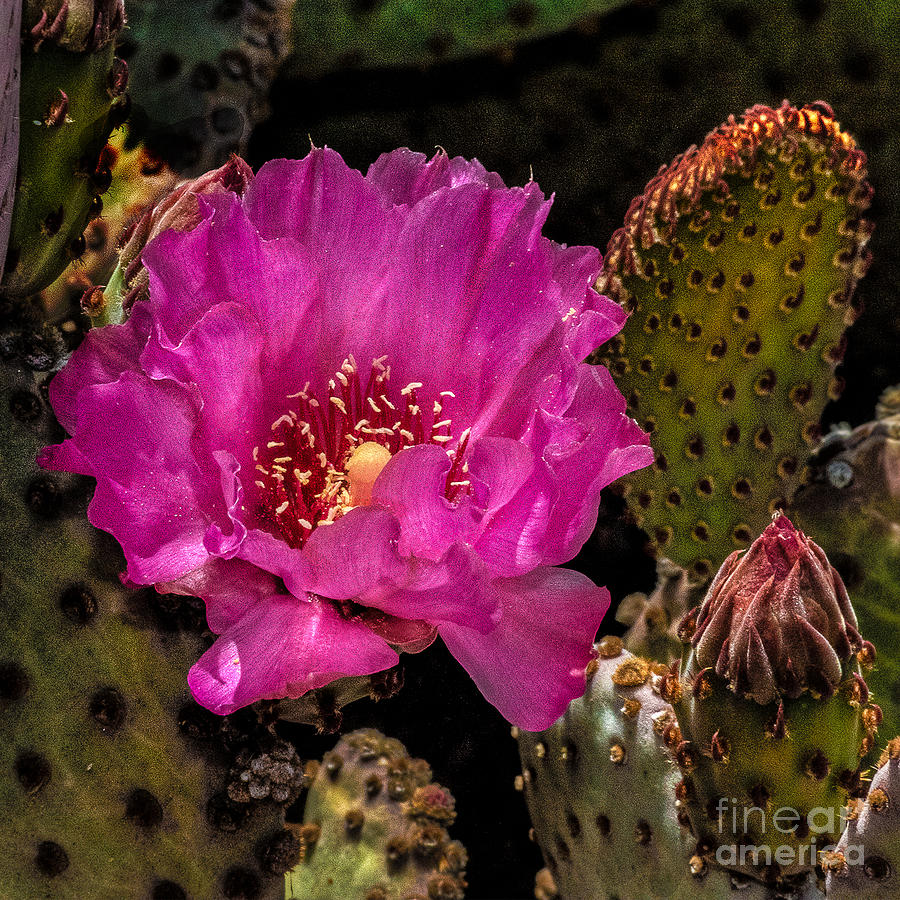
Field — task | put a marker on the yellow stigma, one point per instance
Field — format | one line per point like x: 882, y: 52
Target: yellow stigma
x: 363, y: 467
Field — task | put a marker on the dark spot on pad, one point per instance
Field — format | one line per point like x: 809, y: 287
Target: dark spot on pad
x: 32, y: 770
x: 24, y: 406
x: 43, y: 497
x: 78, y: 604
x: 241, y: 884
x: 281, y: 852
x: 108, y: 708
x: 226, y: 119
x: 168, y: 890
x: 204, y: 77
x: 143, y: 809
x: 51, y: 860
x: 14, y: 681
x: 168, y: 65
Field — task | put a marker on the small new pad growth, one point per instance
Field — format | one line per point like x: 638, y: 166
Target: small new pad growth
x: 375, y: 828
x: 738, y: 265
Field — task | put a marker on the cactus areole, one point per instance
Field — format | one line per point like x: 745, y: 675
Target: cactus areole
x: 353, y: 414
x: 777, y: 620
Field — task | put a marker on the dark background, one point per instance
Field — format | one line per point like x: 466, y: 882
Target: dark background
x: 593, y: 113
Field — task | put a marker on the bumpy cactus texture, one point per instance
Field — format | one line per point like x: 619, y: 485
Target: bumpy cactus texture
x: 851, y: 503
x: 113, y: 781
x: 69, y: 104
x: 738, y: 263
x: 200, y: 73
x: 600, y: 786
x: 865, y: 865
x: 375, y: 828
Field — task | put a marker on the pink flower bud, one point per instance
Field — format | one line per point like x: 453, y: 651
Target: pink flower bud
x: 777, y: 620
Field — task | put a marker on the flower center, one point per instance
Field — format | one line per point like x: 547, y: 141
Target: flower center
x: 322, y: 458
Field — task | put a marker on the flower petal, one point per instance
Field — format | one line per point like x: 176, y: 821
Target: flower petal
x: 355, y: 554
x: 532, y: 664
x: 455, y: 590
x: 228, y: 587
x: 587, y: 449
x: 284, y: 648
x: 155, y: 499
x: 412, y: 486
x: 408, y: 177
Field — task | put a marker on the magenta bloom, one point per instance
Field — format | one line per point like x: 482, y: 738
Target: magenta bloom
x: 352, y: 415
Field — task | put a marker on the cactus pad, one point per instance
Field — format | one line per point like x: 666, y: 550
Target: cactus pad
x: 851, y: 503
x: 69, y: 104
x: 600, y: 787
x: 113, y: 782
x: 738, y: 264
x: 374, y: 828
x: 865, y: 865
x: 200, y: 74
x: 775, y: 715
x: 653, y: 618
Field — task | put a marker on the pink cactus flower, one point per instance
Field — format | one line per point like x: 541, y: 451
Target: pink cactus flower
x: 352, y: 415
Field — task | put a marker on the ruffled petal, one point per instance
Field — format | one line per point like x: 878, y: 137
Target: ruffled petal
x: 230, y: 588
x: 284, y: 648
x: 220, y: 355
x: 100, y: 359
x: 155, y: 499
x: 413, y: 486
x: 355, y: 554
x: 407, y: 177
x: 455, y: 589
x: 590, y: 447
x: 531, y: 665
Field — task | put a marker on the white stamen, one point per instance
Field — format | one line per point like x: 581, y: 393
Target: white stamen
x: 280, y: 509
x: 412, y: 386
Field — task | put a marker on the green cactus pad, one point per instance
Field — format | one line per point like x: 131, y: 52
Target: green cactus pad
x: 69, y: 104
x: 374, y: 828
x: 600, y: 786
x: 851, y: 505
x: 342, y: 33
x: 113, y: 781
x: 743, y: 762
x: 738, y: 265
x: 653, y: 618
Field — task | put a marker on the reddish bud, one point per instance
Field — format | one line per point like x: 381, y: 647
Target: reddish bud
x: 777, y: 620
